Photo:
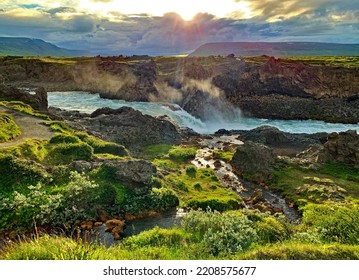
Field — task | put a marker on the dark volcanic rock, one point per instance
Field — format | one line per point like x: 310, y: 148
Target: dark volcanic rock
x: 135, y: 174
x: 341, y: 147
x: 255, y: 160
x: 267, y: 135
x: 38, y: 101
x: 130, y: 128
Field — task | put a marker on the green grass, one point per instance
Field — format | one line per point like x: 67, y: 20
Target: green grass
x: 8, y: 128
x: 102, y: 147
x: 67, y: 153
x: 302, y: 251
x: 333, y: 182
x: 24, y: 108
x: 182, y: 154
x: 201, y: 189
x: 224, y: 155
x: 155, y: 151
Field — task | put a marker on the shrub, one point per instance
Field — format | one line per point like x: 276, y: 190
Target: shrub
x: 66, y: 153
x: 197, y: 186
x: 8, y: 128
x: 66, y: 208
x: 15, y: 173
x: 156, y: 237
x: 182, y: 153
x: 270, y: 230
x: 334, y: 223
x: 191, y: 171
x: 225, y: 233
x: 214, y: 204
x: 64, y: 139
x: 102, y: 147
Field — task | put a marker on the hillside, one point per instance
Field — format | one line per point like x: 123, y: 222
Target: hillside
x: 33, y: 47
x: 284, y: 49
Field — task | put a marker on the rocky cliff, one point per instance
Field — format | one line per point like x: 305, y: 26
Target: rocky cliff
x: 263, y: 87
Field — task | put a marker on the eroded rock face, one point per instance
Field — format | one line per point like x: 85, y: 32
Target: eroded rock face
x: 38, y: 101
x: 129, y: 127
x: 254, y: 159
x: 341, y: 147
x: 142, y: 87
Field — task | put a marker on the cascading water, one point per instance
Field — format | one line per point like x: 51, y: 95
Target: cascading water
x: 87, y: 103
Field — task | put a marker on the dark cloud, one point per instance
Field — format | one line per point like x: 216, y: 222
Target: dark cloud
x: 82, y: 24
x: 323, y: 20
x: 61, y: 10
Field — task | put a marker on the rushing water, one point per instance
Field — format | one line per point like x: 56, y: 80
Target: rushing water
x: 87, y: 103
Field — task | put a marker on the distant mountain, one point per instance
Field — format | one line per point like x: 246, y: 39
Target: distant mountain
x: 33, y: 47
x: 277, y: 49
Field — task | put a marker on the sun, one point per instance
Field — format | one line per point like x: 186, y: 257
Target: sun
x: 187, y: 9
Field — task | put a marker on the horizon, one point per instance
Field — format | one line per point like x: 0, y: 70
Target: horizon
x: 162, y: 27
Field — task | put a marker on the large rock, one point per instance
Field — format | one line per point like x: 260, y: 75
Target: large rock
x: 135, y: 174
x: 130, y: 128
x: 255, y: 160
x: 38, y: 100
x: 341, y: 147
x: 267, y: 135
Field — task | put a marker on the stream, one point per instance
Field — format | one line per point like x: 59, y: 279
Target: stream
x: 246, y: 190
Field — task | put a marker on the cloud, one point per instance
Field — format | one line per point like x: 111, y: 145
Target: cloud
x: 117, y: 33
x: 60, y: 10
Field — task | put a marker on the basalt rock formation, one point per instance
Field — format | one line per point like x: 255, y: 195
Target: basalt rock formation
x: 254, y: 160
x: 125, y: 126
x: 341, y: 147
x: 263, y: 87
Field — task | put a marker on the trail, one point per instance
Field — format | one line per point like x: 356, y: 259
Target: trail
x: 31, y: 128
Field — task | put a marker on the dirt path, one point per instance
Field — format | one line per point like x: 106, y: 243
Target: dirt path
x: 31, y: 128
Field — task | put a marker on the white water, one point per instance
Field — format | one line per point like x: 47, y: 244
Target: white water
x: 87, y: 103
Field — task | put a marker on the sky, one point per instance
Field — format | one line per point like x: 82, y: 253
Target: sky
x: 166, y: 27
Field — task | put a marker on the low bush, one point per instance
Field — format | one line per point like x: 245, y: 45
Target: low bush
x: 220, y: 233
x: 8, y: 128
x: 334, y: 222
x: 217, y: 204
x: 182, y: 153
x: 102, y: 147
x: 64, y: 139
x: 66, y: 153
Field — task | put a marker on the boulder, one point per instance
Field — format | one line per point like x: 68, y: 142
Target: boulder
x: 135, y: 174
x: 255, y: 160
x: 267, y: 135
x: 129, y: 127
x: 341, y: 147
x: 116, y: 227
x: 38, y: 100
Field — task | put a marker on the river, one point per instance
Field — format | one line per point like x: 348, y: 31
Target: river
x: 87, y: 103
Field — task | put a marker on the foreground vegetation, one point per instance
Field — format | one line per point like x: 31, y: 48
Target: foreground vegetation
x: 8, y: 128
x: 202, y: 235
x: 42, y: 189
